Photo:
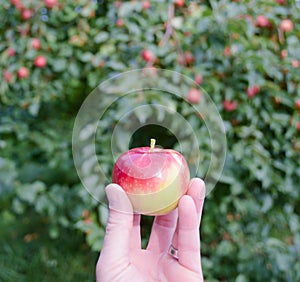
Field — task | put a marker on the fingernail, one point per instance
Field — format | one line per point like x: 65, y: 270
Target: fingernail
x: 201, y: 191
x: 118, y: 199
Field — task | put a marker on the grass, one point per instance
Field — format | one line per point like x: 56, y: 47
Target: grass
x: 27, y: 253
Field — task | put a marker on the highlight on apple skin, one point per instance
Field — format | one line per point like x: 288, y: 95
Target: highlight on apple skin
x: 153, y: 178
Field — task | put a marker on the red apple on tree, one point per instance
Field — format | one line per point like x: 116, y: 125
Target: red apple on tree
x: 7, y: 76
x: 35, y: 43
x: 286, y: 25
x: 198, y: 78
x: 50, y: 3
x: 23, y: 72
x: 194, y: 96
x: 40, y: 61
x: 153, y: 178
x: 26, y: 14
x: 146, y: 5
x: 11, y: 52
x: 262, y: 21
x: 229, y: 106
x: 147, y: 56
x: 179, y: 3
x: 297, y: 104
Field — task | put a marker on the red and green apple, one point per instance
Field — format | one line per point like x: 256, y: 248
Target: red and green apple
x: 153, y: 178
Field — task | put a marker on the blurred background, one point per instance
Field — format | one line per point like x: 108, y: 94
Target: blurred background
x: 244, y: 54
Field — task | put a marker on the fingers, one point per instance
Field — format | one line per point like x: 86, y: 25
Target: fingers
x: 188, y: 235
x: 162, y: 232
x: 197, y: 192
x: 135, y: 238
x: 120, y: 223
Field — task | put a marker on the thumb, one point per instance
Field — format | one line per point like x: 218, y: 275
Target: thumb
x: 120, y: 222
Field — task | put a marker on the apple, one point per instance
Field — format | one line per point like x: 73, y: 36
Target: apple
x: 26, y: 14
x: 198, y: 79
x: 50, y: 3
x: 298, y: 126
x: 286, y: 25
x: 118, y: 4
x: 179, y: 3
x: 153, y: 178
x: 11, y: 52
x: 284, y: 53
x: 147, y: 55
x: 119, y: 22
x: 280, y: 2
x: 146, y: 5
x: 297, y: 104
x: 295, y: 63
x: 7, y: 76
x: 262, y: 21
x: 227, y: 51
x: 252, y: 91
x: 229, y: 106
x: 23, y: 72
x: 194, y: 96
x: 40, y: 61
x: 35, y: 43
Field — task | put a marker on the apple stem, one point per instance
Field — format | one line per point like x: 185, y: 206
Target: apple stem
x: 152, y: 144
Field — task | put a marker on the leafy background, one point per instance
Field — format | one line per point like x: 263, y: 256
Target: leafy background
x: 245, y: 54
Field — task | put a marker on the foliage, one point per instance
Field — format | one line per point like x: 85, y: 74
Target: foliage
x: 247, y: 63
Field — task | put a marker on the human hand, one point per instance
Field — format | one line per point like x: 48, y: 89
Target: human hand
x: 123, y: 259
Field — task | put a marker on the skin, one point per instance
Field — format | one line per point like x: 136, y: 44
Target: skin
x: 123, y: 259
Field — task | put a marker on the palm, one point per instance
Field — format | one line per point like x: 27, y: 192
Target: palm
x: 122, y: 260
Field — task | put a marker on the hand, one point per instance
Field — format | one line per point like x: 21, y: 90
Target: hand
x: 123, y: 259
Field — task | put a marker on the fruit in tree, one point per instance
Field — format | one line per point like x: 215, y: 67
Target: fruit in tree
x: 252, y: 91
x: 147, y: 56
x: 26, y: 14
x: 35, y: 43
x: 194, y: 95
x: 179, y: 3
x: 146, y: 5
x: 298, y: 126
x: 227, y: 51
x: 297, y: 104
x: 286, y: 25
x: 229, y: 106
x: 23, y: 72
x: 198, y: 78
x: 11, y: 52
x: 153, y: 178
x: 295, y: 63
x: 119, y: 22
x: 40, y: 61
x: 50, y: 3
x: 262, y: 21
x: 7, y: 76
x: 280, y: 2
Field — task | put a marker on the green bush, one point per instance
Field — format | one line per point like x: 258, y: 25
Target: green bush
x: 248, y: 60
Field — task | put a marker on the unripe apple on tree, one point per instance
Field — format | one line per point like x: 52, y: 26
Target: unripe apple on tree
x: 153, y: 178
